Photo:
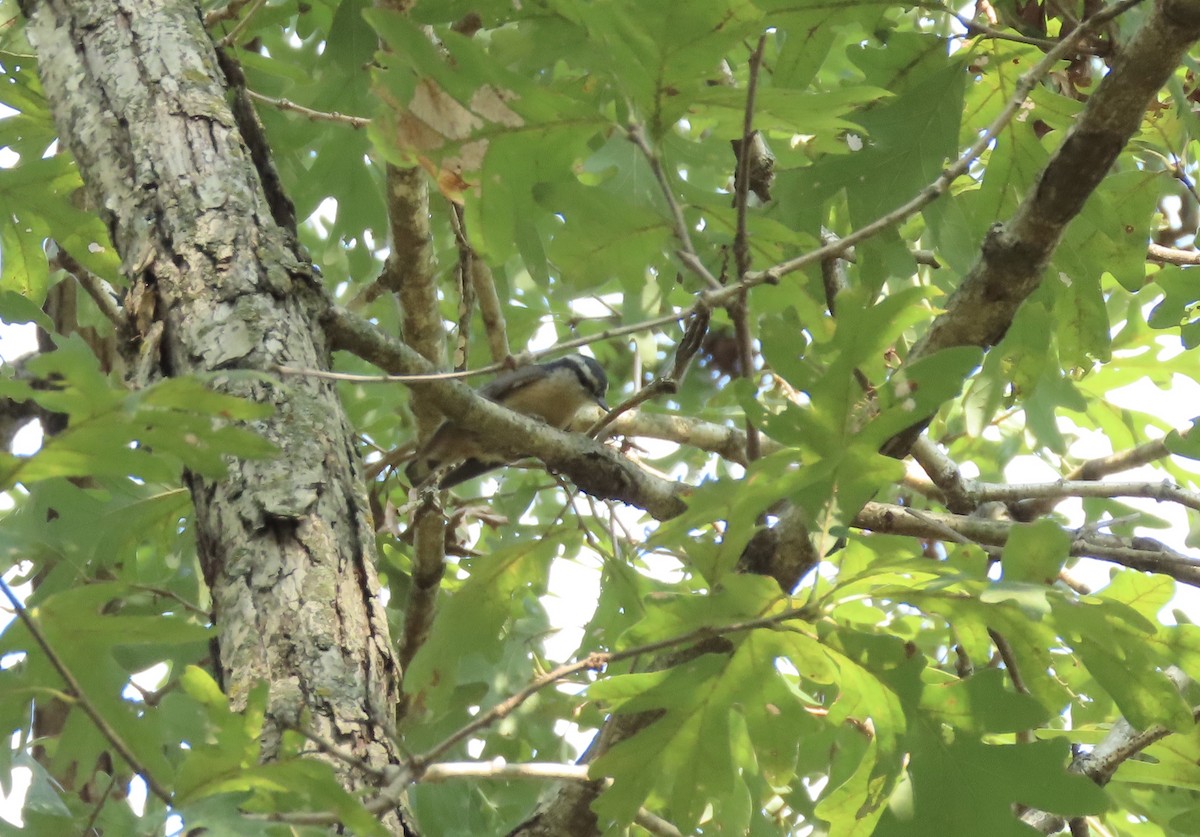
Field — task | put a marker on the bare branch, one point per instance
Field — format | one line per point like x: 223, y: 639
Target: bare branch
x: 738, y: 310
x: 975, y: 28
x: 228, y: 12
x: 409, y: 272
x: 339, y: 753
x: 97, y: 289
x: 308, y: 113
x: 1165, y: 491
x: 1025, y: 736
x: 519, y: 359
x: 727, y: 442
x: 490, y: 309
x: 958, y: 492
x: 1138, y: 553
x: 535, y: 771
x: 428, y: 568
x: 1095, y: 469
x: 658, y: 386
x: 382, y: 379
x: 1122, y: 743
x: 1172, y: 255
x: 956, y: 170
x: 232, y: 37
x: 693, y: 339
x: 741, y: 194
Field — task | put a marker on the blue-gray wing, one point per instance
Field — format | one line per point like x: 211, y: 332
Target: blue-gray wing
x: 504, y: 385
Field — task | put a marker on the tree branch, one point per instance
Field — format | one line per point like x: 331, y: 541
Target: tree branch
x: 1014, y: 254
x: 410, y: 274
x: 1137, y: 553
x: 1095, y: 469
x: 1172, y: 255
x: 287, y: 105
x: 738, y: 310
x: 1164, y: 491
x: 595, y: 469
x: 942, y: 183
x: 1122, y: 743
x: 428, y: 568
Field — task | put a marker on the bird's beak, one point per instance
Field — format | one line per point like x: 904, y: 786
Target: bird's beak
x: 603, y: 406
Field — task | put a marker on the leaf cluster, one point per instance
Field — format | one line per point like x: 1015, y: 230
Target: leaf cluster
x: 929, y: 684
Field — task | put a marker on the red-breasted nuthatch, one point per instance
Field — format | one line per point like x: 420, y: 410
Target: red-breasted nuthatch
x: 552, y: 392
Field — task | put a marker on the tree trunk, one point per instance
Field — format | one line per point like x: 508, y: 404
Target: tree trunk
x: 220, y: 288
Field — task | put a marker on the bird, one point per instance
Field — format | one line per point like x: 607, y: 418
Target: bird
x: 550, y: 392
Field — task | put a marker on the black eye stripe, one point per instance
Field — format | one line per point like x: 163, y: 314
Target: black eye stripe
x: 585, y: 380
x: 591, y: 376
x: 588, y: 372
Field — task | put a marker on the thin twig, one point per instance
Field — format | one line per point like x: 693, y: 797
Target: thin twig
x: 419, y: 766
x: 593, y: 662
x: 314, y: 115
x: 78, y: 697
x: 383, y: 379
x: 739, y: 311
x: 1122, y: 743
x: 597, y: 661
x: 941, y: 184
x: 97, y: 289
x: 973, y: 29
x: 1025, y: 736
x: 1095, y: 469
x: 1164, y: 491
x: 536, y: 771
x: 638, y: 137
x: 1010, y: 661
x: 478, y: 285
x: 490, y: 309
x: 653, y: 389
x: 518, y: 359
x: 1137, y: 553
x: 1172, y: 255
x: 229, y: 12
x: 242, y: 24
x: 466, y: 291
x: 692, y: 341
x: 741, y: 244
x: 173, y: 596
x: 90, y: 825
x: 945, y: 530
x: 340, y: 753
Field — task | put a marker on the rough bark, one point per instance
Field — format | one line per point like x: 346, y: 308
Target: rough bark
x: 207, y: 242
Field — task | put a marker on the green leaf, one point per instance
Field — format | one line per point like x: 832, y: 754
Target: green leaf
x: 470, y: 619
x: 947, y: 773
x: 1111, y: 640
x: 1035, y: 552
x: 982, y: 703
